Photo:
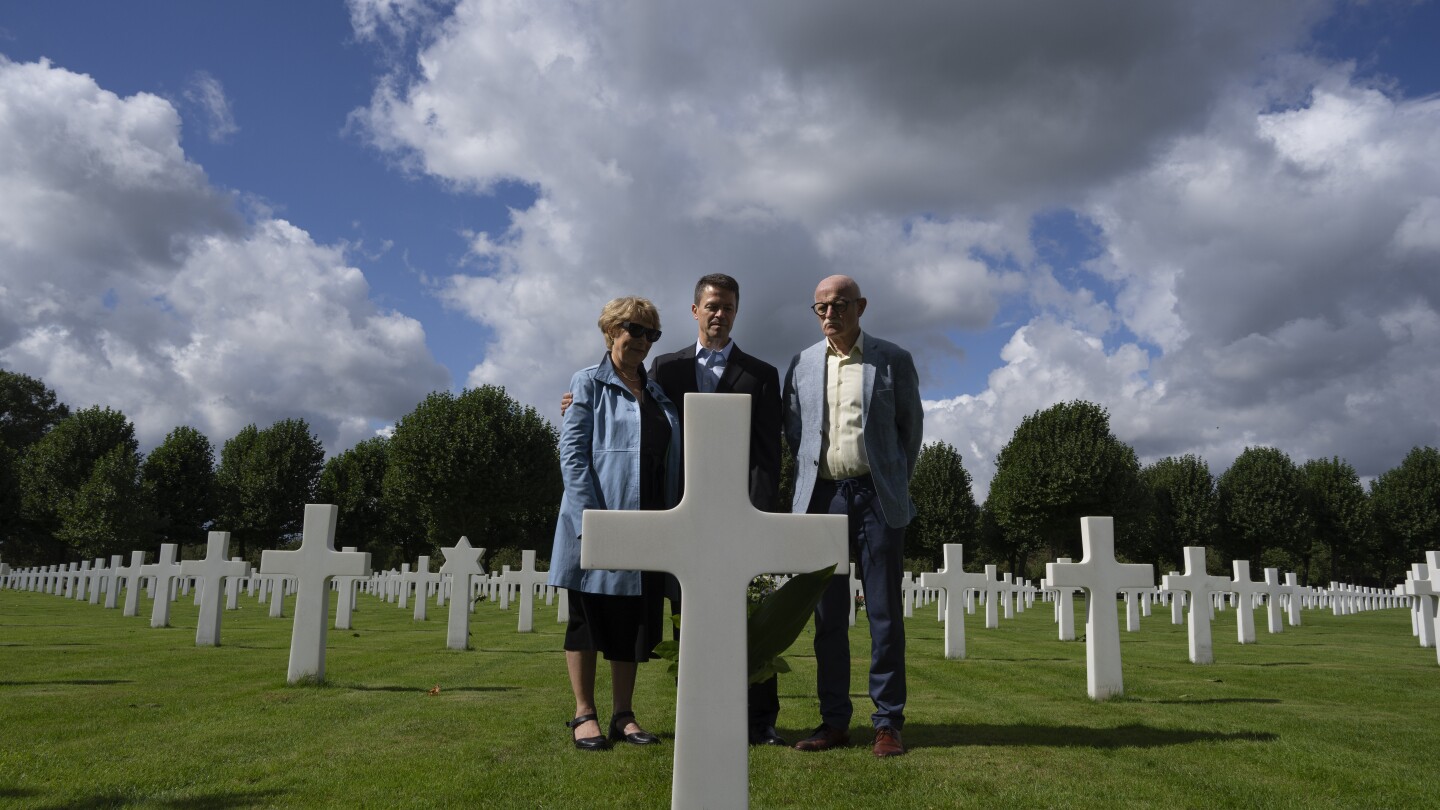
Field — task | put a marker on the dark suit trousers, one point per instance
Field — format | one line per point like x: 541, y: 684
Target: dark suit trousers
x: 879, y: 555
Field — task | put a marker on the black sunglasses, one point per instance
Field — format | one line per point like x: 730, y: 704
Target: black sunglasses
x: 839, y: 305
x: 639, y: 330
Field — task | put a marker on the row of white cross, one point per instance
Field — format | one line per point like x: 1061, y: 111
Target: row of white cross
x: 715, y: 544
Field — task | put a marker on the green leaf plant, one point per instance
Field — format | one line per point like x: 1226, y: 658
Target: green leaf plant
x: 775, y: 621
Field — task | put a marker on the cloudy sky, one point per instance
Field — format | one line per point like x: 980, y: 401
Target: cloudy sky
x: 1220, y: 219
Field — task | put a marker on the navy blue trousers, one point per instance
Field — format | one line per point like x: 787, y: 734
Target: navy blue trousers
x: 878, y: 552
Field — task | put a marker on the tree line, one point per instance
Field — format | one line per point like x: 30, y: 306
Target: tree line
x: 1063, y: 463
x: 74, y: 486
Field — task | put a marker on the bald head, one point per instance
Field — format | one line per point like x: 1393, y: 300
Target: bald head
x: 837, y: 287
x: 840, y: 319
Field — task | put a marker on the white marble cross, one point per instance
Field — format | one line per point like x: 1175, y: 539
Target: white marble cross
x: 1101, y: 577
x: 212, y: 571
x: 526, y: 579
x: 1199, y: 586
x: 1275, y: 590
x: 112, y: 580
x: 462, y: 562
x: 421, y: 577
x: 1432, y: 584
x: 992, y: 597
x: 1292, y: 587
x: 165, y: 571
x: 953, y: 580
x: 714, y: 542
x: 232, y: 587
x: 131, y: 575
x: 98, y: 577
x: 1244, y: 589
x: 1420, y: 585
x: 404, y: 585
x: 1064, y: 605
x: 345, y: 589
x: 313, y: 564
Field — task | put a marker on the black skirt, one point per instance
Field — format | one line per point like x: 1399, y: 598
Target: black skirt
x: 621, y: 628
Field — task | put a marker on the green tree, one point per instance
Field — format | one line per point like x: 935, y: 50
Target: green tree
x: 1181, y: 500
x: 55, y: 470
x: 478, y: 465
x: 1406, y: 502
x: 179, y: 481
x: 264, y: 480
x: 354, y: 481
x: 1340, y: 514
x: 13, y: 545
x: 944, y: 504
x: 27, y: 410
x: 1262, y: 512
x: 107, y: 515
x: 1062, y: 464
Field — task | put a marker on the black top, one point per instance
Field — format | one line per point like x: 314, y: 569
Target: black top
x: 654, y: 446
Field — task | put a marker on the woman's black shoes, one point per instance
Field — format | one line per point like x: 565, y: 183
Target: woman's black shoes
x: 588, y: 743
x: 617, y: 731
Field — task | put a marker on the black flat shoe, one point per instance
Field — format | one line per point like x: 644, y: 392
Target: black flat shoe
x: 617, y: 731
x: 587, y: 743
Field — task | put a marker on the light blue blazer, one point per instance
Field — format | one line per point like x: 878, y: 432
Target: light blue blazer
x: 892, y: 421
x: 600, y: 466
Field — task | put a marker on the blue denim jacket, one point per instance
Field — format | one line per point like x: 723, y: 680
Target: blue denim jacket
x: 600, y: 466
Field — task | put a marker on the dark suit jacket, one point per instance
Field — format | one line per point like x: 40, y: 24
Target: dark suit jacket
x: 744, y: 374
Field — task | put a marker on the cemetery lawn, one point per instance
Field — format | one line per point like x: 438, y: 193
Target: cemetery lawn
x: 98, y: 710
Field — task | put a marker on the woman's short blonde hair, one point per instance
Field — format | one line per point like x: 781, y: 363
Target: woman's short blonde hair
x: 630, y: 308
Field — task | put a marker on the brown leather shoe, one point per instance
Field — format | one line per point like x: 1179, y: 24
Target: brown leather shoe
x: 824, y: 738
x: 887, y: 743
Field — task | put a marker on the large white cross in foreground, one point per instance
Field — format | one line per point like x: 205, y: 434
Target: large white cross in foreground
x: 714, y: 542
x: 313, y: 564
x: 1101, y: 576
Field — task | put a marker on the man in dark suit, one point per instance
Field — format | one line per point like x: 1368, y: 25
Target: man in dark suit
x: 714, y: 364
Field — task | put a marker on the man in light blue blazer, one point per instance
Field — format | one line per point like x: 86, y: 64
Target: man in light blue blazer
x: 853, y: 421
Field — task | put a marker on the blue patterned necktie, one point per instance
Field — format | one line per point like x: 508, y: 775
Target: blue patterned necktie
x: 711, y: 367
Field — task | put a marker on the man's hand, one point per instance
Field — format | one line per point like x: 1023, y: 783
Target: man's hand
x: 565, y: 402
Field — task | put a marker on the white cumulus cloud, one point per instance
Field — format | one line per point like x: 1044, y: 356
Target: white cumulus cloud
x: 127, y: 280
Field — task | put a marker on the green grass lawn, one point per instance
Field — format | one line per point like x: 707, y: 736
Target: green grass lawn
x: 97, y: 710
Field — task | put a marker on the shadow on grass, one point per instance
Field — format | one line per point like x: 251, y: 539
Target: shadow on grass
x: 1270, y: 664
x: 425, y: 689
x: 64, y: 683
x: 1131, y: 736
x: 17, y: 793
x: 1203, y: 701
x: 204, y: 801
x: 1016, y: 660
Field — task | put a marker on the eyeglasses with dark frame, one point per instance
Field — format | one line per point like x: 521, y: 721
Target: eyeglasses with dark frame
x: 639, y: 330
x: 839, y: 305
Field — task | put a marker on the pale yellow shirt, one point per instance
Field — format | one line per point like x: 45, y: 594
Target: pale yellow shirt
x: 843, y: 454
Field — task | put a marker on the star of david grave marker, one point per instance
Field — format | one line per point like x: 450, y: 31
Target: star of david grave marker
x: 462, y: 563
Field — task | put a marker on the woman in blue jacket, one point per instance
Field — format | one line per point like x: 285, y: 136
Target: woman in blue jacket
x: 619, y: 449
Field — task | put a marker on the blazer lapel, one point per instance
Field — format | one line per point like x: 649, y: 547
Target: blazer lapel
x: 867, y: 362
x: 732, y: 372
